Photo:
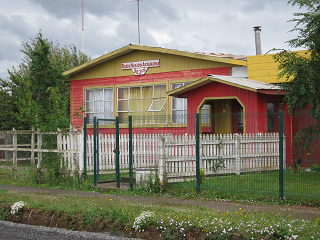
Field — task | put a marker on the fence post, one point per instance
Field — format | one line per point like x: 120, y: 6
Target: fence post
x: 85, y: 148
x: 198, y: 153
x: 161, y: 140
x: 130, y: 153
x: 237, y: 153
x: 14, y: 154
x: 281, y: 155
x: 117, y: 153
x: 39, y: 143
x: 94, y: 151
x: 59, y: 146
x: 33, y: 162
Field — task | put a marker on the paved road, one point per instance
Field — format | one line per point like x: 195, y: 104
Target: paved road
x: 17, y: 231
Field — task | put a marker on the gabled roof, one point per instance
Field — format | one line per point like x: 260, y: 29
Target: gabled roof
x: 223, y: 58
x: 244, y: 83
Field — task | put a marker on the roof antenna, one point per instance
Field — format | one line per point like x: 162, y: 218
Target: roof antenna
x: 83, y: 26
x: 138, y: 5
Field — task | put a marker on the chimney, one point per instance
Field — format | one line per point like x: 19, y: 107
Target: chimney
x: 257, y: 31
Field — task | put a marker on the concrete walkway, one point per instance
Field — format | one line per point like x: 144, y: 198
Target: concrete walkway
x: 294, y: 211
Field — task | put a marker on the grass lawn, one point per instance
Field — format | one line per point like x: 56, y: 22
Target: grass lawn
x: 300, y: 187
x: 156, y: 221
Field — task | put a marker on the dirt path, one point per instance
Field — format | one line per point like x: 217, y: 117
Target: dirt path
x: 295, y: 211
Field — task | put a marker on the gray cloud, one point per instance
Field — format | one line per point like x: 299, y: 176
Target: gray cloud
x: 206, y: 25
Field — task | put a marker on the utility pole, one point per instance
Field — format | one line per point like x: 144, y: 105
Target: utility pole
x: 82, y: 26
x: 138, y: 5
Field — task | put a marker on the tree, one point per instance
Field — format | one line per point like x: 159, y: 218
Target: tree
x: 302, y: 72
x: 37, y: 94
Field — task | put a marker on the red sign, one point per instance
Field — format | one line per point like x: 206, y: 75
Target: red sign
x: 140, y: 67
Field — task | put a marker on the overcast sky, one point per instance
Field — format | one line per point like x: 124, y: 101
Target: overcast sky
x: 194, y: 25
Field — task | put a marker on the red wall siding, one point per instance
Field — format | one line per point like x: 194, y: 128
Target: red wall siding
x: 215, y: 89
x: 76, y: 87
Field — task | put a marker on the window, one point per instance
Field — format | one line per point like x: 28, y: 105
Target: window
x: 273, y: 116
x: 99, y: 103
x: 146, y: 104
x: 270, y: 116
x: 205, y: 113
x: 179, y: 106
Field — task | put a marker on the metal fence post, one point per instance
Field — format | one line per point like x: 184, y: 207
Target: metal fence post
x: 281, y: 155
x: 198, y: 153
x: 130, y: 153
x: 85, y: 148
x: 94, y: 151
x: 117, y: 153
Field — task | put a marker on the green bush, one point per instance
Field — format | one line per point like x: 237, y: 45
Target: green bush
x: 315, y: 167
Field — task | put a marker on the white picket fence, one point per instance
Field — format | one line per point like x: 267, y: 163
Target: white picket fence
x: 221, y: 154
x: 175, y: 155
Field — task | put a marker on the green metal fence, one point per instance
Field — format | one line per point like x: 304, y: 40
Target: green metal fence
x: 252, y: 156
x: 255, y: 159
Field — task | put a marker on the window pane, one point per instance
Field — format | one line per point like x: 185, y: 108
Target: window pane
x: 108, y: 94
x: 179, y: 116
x: 205, y: 113
x: 89, y: 118
x: 176, y: 85
x: 270, y: 117
x: 160, y: 117
x: 146, y: 104
x: 147, y: 92
x: 89, y: 106
x: 147, y: 117
x: 123, y: 93
x: 136, y: 117
x: 108, y: 106
x: 98, y: 94
x: 99, y: 115
x: 157, y: 105
x: 98, y: 106
x: 123, y: 117
x: 179, y: 103
x: 159, y: 91
x: 123, y: 105
x: 108, y: 116
x: 135, y: 105
x: 135, y: 93
x: 89, y: 95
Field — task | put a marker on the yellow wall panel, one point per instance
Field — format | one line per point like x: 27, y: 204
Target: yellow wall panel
x: 168, y: 63
x: 264, y: 68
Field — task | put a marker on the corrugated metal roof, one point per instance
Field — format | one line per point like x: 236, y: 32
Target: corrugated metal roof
x: 234, y: 60
x: 245, y: 83
x: 258, y: 85
x: 222, y: 55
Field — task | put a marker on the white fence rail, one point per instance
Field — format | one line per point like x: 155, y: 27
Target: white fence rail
x: 69, y: 144
x: 174, y: 155
x: 221, y: 154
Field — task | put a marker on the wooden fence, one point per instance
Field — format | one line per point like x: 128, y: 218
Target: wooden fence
x: 221, y: 154
x: 174, y: 155
x: 30, y: 142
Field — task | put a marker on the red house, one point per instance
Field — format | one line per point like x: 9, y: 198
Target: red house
x: 160, y: 87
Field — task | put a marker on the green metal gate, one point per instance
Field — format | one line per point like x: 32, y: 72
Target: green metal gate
x: 96, y: 122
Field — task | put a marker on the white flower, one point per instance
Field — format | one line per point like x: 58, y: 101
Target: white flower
x: 142, y: 220
x: 17, y: 206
